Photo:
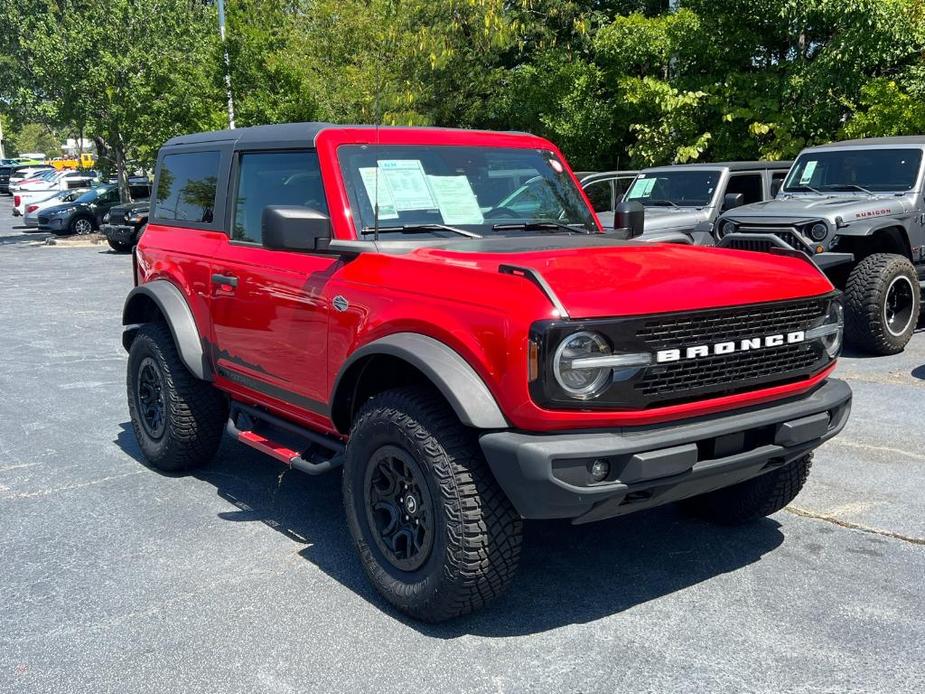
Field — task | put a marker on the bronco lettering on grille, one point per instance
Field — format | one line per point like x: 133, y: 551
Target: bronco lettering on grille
x: 697, y: 351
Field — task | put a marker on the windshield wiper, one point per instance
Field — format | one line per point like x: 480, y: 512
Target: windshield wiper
x: 661, y: 203
x: 804, y: 187
x: 539, y: 225
x: 847, y: 186
x: 421, y: 229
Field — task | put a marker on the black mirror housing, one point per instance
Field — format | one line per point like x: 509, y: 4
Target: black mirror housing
x: 630, y: 216
x: 294, y: 228
x: 732, y: 200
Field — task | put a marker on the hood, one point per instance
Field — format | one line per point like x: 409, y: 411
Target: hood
x: 631, y: 278
x: 674, y: 218
x: 849, y: 207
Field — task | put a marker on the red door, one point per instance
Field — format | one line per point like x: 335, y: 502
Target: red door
x: 269, y: 309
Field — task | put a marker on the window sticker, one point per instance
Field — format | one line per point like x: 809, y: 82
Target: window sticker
x: 373, y: 186
x: 642, y: 188
x: 408, y: 184
x: 808, y: 171
x: 455, y: 200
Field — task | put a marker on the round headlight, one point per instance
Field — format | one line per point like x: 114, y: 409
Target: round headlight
x: 818, y: 231
x: 834, y: 316
x: 581, y: 383
x: 726, y: 228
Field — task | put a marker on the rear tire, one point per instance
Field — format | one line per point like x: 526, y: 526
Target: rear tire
x: 882, y: 303
x: 755, y: 498
x: 436, y: 535
x: 119, y: 246
x: 178, y: 419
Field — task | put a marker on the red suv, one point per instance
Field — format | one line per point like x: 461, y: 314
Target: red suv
x: 440, y: 313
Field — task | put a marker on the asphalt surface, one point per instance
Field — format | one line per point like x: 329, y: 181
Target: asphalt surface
x: 241, y: 578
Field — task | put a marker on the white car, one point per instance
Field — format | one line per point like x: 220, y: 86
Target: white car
x: 32, y: 208
x: 27, y: 173
x: 58, y: 180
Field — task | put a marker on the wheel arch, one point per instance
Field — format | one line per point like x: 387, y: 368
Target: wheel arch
x: 160, y: 300
x: 401, y: 358
x: 885, y: 237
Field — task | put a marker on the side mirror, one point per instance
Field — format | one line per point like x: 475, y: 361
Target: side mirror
x: 294, y: 228
x: 630, y: 216
x: 731, y: 200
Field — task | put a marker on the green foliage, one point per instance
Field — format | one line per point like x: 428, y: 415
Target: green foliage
x: 616, y: 83
x: 32, y: 137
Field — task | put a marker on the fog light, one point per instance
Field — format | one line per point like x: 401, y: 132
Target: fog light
x: 600, y: 468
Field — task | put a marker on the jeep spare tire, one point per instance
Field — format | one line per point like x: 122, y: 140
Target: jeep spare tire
x: 436, y: 535
x: 882, y: 303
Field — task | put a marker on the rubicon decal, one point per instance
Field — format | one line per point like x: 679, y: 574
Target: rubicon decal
x: 719, y: 348
x: 881, y: 212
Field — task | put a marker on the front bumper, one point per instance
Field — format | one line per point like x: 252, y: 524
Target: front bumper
x: 56, y: 225
x: 119, y: 233
x: 547, y: 475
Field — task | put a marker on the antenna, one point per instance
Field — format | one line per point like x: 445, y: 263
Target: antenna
x: 377, y: 115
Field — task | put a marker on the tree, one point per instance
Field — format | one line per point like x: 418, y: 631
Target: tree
x: 131, y: 74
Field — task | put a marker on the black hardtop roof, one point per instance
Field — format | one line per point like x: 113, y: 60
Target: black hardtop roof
x: 285, y: 133
x: 731, y: 165
x: 878, y: 141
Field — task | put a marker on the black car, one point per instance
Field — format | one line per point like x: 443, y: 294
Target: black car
x: 10, y: 170
x: 86, y: 213
x: 124, y: 225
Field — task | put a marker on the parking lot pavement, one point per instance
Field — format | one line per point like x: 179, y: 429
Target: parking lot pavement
x: 241, y: 578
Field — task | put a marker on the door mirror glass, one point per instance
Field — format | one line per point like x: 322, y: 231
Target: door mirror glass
x: 294, y: 228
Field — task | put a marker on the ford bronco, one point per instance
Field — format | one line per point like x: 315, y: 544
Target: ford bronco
x: 857, y: 209
x: 356, y: 296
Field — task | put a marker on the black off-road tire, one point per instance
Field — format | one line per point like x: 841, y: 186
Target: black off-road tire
x: 476, y: 537
x: 119, y: 246
x: 867, y: 292
x: 195, y: 413
x: 755, y: 498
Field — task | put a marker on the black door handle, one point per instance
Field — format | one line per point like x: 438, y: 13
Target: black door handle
x: 227, y: 280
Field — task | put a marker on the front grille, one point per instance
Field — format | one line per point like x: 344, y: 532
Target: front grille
x: 786, y: 234
x: 116, y: 216
x: 729, y: 373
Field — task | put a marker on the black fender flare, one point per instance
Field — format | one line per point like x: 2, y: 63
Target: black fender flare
x: 179, y: 318
x: 452, y: 375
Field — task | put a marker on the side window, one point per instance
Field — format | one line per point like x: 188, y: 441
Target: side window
x: 777, y: 180
x: 620, y: 186
x: 747, y: 184
x: 599, y: 195
x: 274, y: 178
x: 186, y: 186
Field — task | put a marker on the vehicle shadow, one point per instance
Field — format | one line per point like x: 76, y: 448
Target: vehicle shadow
x: 568, y: 574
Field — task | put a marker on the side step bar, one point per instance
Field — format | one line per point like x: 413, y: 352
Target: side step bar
x: 289, y: 443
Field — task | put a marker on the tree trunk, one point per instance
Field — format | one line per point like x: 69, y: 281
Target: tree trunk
x: 121, y: 173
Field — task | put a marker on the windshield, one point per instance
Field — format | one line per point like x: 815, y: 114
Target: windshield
x: 92, y: 195
x: 486, y: 191
x: 864, y: 170
x: 674, y: 188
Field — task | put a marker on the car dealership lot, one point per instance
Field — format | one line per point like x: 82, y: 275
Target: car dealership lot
x: 114, y: 577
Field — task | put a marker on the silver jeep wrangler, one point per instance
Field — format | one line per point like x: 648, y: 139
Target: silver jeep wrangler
x: 857, y: 209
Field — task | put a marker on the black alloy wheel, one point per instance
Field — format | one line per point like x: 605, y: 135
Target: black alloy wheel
x: 149, y: 396
x: 399, y: 508
x: 899, y: 305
